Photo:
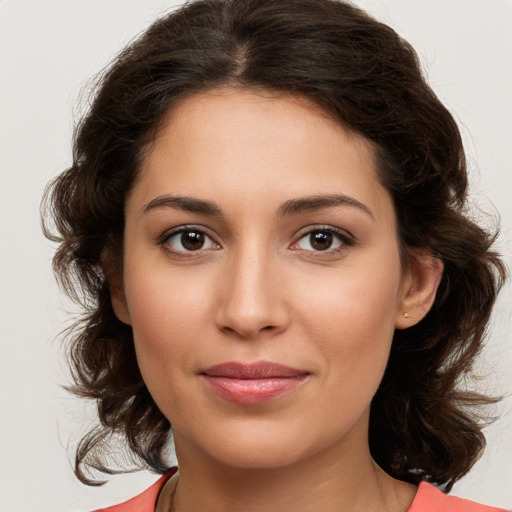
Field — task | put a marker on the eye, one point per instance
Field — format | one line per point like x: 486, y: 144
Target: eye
x: 322, y: 240
x: 186, y: 240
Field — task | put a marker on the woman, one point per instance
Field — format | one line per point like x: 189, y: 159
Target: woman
x: 266, y: 212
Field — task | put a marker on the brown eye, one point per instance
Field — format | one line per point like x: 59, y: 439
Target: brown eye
x: 189, y: 240
x: 192, y: 240
x: 321, y: 240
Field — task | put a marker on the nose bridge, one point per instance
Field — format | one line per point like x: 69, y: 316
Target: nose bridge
x: 250, y: 301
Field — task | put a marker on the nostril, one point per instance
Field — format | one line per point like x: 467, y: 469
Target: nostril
x: 248, y: 331
x: 247, y: 306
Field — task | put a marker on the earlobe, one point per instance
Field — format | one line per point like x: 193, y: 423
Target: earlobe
x: 117, y: 294
x: 419, y: 289
x: 119, y: 304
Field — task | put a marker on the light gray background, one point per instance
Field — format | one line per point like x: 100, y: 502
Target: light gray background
x: 49, y: 49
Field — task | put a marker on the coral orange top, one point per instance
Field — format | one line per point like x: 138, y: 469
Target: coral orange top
x: 428, y: 499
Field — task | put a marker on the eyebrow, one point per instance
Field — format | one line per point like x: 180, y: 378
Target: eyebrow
x: 314, y: 203
x: 288, y: 208
x: 188, y: 204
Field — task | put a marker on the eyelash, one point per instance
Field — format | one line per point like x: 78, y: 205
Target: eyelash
x: 166, y: 237
x: 344, y: 238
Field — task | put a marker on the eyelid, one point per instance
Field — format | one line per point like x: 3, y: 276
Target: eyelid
x: 344, y: 236
x: 164, y: 237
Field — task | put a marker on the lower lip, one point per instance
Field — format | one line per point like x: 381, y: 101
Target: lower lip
x: 253, y: 391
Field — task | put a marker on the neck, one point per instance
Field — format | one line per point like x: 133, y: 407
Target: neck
x: 324, y: 482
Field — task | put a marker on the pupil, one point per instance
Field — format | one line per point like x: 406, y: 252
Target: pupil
x: 320, y: 240
x: 192, y: 240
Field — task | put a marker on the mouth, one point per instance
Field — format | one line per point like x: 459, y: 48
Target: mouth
x: 252, y: 383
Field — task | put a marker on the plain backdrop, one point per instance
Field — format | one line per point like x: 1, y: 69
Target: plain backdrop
x: 49, y: 50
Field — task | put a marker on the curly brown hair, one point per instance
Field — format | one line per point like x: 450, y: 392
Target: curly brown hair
x: 363, y: 75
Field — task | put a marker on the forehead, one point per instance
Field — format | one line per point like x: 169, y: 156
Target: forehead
x: 223, y: 114
x: 249, y: 143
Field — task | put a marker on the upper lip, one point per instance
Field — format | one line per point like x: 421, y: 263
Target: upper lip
x: 259, y: 370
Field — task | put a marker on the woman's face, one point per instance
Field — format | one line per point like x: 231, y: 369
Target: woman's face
x: 258, y: 237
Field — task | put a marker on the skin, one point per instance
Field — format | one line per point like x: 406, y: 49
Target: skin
x: 258, y: 290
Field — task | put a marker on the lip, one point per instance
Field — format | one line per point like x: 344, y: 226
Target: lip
x: 252, y: 383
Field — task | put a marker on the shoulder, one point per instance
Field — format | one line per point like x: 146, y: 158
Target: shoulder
x: 144, y: 502
x: 430, y: 499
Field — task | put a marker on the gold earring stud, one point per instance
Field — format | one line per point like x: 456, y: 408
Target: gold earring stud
x: 406, y: 315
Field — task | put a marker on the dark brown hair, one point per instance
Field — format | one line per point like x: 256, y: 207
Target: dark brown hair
x: 362, y: 74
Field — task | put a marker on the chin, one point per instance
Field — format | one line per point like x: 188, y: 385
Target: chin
x: 246, y: 456
x: 260, y: 444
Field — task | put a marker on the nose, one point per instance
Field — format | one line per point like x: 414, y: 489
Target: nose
x: 252, y: 302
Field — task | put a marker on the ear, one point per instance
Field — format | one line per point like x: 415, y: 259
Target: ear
x: 114, y: 276
x: 419, y: 289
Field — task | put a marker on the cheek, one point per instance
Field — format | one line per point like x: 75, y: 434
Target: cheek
x: 168, y: 313
x: 166, y: 303
x: 352, y: 317
x: 351, y: 300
